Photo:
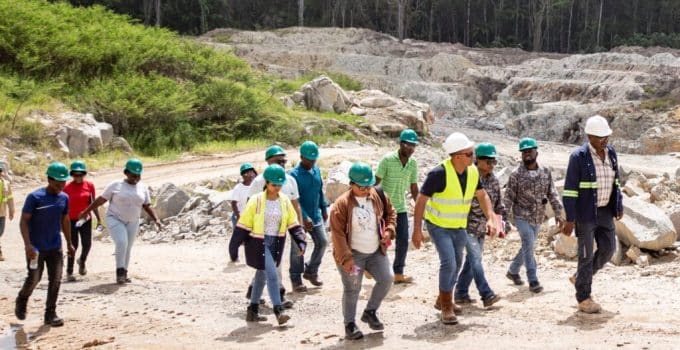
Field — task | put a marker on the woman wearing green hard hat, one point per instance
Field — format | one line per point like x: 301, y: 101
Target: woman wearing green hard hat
x: 361, y: 227
x: 267, y: 218
x: 126, y: 199
x: 80, y: 193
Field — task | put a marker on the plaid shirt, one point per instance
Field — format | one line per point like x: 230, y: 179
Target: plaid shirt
x: 604, y: 173
x: 527, y: 195
x: 476, y: 219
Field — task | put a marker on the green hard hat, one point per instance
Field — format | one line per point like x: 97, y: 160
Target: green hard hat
x: 245, y: 167
x: 361, y: 174
x: 309, y: 150
x: 58, y: 171
x: 274, y: 151
x: 527, y: 143
x: 485, y: 149
x: 275, y: 174
x: 409, y: 136
x: 78, y: 166
x: 134, y: 166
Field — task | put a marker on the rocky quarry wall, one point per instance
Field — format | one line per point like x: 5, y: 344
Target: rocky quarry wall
x: 547, y: 96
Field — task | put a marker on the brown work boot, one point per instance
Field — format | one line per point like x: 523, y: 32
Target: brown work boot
x: 457, y: 309
x: 589, y: 306
x: 448, y: 316
x: 399, y: 278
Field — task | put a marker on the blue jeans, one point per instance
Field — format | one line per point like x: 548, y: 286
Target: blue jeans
x: 297, y: 261
x: 450, y: 244
x: 528, y: 233
x: 268, y: 276
x: 588, y: 262
x: 473, y: 268
x: 123, y: 235
x: 401, y: 244
x: 377, y: 265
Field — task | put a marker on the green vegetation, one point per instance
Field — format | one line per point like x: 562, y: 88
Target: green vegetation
x: 289, y: 86
x: 660, y: 104
x: 163, y: 93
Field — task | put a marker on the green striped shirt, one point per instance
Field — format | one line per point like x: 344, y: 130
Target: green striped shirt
x: 396, y: 179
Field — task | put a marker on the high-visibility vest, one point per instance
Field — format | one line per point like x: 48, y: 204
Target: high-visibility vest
x: 252, y: 217
x: 450, y: 208
x: 4, y: 198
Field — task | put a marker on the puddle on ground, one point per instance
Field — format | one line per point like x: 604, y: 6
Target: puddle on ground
x: 14, y: 338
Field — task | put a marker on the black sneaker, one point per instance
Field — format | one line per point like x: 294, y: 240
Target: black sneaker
x: 82, y: 270
x: 20, y: 308
x: 120, y: 275
x: 313, y: 279
x: 464, y: 300
x: 514, y: 278
x: 535, y: 287
x: 53, y: 320
x: 494, y: 298
x: 371, y: 318
x: 352, y: 332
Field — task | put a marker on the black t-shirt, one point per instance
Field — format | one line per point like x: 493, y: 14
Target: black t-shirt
x: 436, y: 181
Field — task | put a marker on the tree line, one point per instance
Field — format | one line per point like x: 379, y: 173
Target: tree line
x: 537, y: 25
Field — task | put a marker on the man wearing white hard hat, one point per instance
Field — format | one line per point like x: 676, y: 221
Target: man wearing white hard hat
x: 444, y: 201
x: 592, y: 199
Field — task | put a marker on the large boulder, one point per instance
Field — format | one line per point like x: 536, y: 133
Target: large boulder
x: 391, y: 115
x: 566, y: 246
x: 337, y: 182
x: 675, y: 219
x: 83, y: 139
x: 645, y: 226
x: 324, y: 95
x: 170, y: 201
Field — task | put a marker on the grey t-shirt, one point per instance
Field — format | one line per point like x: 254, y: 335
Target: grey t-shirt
x: 125, y: 200
x: 272, y: 217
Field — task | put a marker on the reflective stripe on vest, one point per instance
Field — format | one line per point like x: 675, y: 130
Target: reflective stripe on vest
x: 587, y: 184
x: 450, y: 209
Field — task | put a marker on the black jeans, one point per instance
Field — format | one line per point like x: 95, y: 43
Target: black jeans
x: 54, y: 260
x: 401, y: 244
x: 590, y: 262
x: 85, y: 233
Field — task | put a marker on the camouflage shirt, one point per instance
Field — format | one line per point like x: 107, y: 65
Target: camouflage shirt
x: 476, y: 219
x: 528, y: 192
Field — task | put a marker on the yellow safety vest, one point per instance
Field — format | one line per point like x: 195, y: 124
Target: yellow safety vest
x: 252, y: 217
x: 4, y: 198
x: 449, y: 209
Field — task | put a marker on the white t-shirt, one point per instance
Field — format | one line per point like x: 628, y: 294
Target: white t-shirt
x: 125, y: 200
x: 240, y: 194
x: 364, y: 230
x: 272, y: 217
x: 290, y: 189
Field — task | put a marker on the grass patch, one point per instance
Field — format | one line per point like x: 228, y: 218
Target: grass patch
x: 660, y: 104
x: 216, y: 147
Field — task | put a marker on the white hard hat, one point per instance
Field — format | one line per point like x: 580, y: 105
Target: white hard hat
x: 598, y: 126
x: 456, y: 142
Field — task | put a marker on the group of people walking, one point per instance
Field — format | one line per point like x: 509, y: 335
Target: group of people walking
x: 66, y: 207
x: 460, y: 201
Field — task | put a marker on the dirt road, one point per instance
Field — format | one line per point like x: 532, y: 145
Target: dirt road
x: 185, y: 296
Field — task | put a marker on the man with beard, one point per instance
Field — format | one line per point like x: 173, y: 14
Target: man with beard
x: 529, y: 189
x: 398, y: 173
x: 592, y: 199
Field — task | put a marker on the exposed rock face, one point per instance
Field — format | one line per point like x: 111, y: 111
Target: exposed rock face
x: 170, y: 201
x: 565, y: 246
x: 645, y: 226
x: 547, y: 96
x: 324, y: 95
x: 78, y: 134
x: 338, y: 181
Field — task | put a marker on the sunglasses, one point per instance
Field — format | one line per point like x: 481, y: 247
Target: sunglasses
x: 468, y: 155
x: 490, y: 161
x: 362, y: 188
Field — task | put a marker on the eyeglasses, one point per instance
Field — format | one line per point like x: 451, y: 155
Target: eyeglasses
x: 491, y: 161
x: 362, y: 188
